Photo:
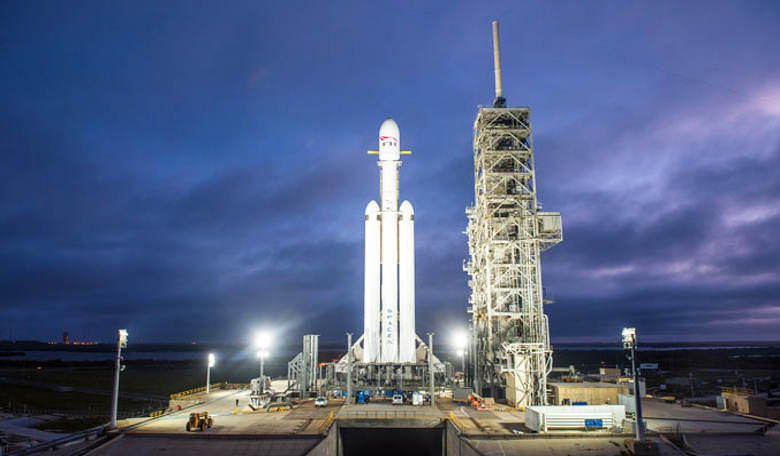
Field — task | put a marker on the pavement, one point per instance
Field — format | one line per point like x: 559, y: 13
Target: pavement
x: 231, y: 420
x: 669, y: 418
x: 562, y: 447
x: 19, y: 426
x: 239, y: 430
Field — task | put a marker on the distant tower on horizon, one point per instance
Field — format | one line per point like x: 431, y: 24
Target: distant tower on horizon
x: 66, y: 338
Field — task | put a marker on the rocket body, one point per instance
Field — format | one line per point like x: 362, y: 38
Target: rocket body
x: 389, y: 263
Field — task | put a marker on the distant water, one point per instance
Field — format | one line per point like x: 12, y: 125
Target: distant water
x: 172, y: 355
x: 660, y: 348
x: 287, y: 354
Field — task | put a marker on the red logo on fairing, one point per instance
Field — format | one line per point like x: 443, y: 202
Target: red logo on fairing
x: 385, y: 138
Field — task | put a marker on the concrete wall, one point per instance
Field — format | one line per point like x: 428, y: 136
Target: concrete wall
x: 454, y: 445
x: 329, y: 446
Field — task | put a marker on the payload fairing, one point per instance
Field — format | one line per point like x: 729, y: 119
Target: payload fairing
x: 389, y: 335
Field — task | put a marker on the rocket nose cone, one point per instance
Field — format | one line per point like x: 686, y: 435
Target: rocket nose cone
x: 372, y: 208
x: 389, y: 141
x: 390, y: 128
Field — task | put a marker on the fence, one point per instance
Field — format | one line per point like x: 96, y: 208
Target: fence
x: 84, y: 413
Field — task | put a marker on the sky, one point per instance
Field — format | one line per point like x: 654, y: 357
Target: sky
x: 197, y: 170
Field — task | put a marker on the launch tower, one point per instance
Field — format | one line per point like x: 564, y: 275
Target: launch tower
x: 511, y: 348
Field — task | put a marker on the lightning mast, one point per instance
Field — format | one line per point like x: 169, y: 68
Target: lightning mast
x: 510, y: 340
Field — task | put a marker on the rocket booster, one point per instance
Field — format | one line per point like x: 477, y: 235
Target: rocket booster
x: 389, y: 263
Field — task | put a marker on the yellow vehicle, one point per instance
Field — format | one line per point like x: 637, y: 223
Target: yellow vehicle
x: 199, y: 421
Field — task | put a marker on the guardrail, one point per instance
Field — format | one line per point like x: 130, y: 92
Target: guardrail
x: 326, y: 424
x: 222, y: 385
x: 83, y: 435
x: 457, y: 422
x: 387, y: 414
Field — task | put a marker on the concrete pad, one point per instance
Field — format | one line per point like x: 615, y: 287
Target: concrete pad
x: 136, y: 444
x: 19, y: 426
x: 560, y: 447
x: 727, y: 445
x: 664, y: 417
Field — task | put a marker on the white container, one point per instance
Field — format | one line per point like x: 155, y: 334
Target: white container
x: 544, y: 418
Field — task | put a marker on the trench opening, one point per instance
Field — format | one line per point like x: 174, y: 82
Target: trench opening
x: 392, y: 441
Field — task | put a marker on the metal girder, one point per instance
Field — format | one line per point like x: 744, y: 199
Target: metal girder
x: 510, y: 337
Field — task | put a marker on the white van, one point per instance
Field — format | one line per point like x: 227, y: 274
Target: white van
x: 398, y: 399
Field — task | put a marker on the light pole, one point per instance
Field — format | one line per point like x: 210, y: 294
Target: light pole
x: 208, y: 373
x: 462, y: 354
x: 120, y: 344
x: 461, y: 342
x: 262, y: 342
x: 629, y: 343
x: 262, y: 355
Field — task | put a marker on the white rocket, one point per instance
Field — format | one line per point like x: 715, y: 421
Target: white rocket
x: 389, y: 335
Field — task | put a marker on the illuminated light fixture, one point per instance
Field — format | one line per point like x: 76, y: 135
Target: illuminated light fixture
x: 210, y: 363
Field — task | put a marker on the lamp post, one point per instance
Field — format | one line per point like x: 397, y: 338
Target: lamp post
x: 208, y: 372
x: 262, y: 355
x: 120, y: 344
x: 629, y: 343
x: 461, y: 342
x: 462, y: 354
x: 262, y: 342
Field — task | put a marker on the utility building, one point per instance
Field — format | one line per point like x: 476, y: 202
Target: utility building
x: 511, y: 352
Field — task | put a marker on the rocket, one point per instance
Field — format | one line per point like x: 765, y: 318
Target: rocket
x: 389, y: 328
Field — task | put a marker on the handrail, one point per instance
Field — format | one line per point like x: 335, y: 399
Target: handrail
x: 97, y: 431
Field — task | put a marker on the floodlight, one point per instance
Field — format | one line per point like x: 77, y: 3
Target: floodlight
x: 629, y: 338
x: 263, y: 340
x: 461, y: 340
x: 123, y: 338
x: 211, y: 360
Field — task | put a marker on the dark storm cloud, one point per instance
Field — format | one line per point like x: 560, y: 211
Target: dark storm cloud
x: 196, y: 172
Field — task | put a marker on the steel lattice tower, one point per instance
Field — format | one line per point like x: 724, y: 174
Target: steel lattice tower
x: 510, y: 334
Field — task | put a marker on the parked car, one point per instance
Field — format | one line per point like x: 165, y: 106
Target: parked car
x: 320, y: 401
x: 398, y: 399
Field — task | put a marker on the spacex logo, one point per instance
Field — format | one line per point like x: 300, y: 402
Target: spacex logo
x: 388, y: 141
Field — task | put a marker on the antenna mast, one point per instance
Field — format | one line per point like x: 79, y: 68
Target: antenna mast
x: 500, y: 101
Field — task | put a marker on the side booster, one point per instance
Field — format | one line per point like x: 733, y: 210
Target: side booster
x: 389, y: 264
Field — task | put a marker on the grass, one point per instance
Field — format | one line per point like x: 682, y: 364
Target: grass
x: 20, y: 398
x: 160, y: 379
x: 69, y: 425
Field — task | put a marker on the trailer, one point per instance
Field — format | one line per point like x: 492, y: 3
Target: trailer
x: 589, y: 417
